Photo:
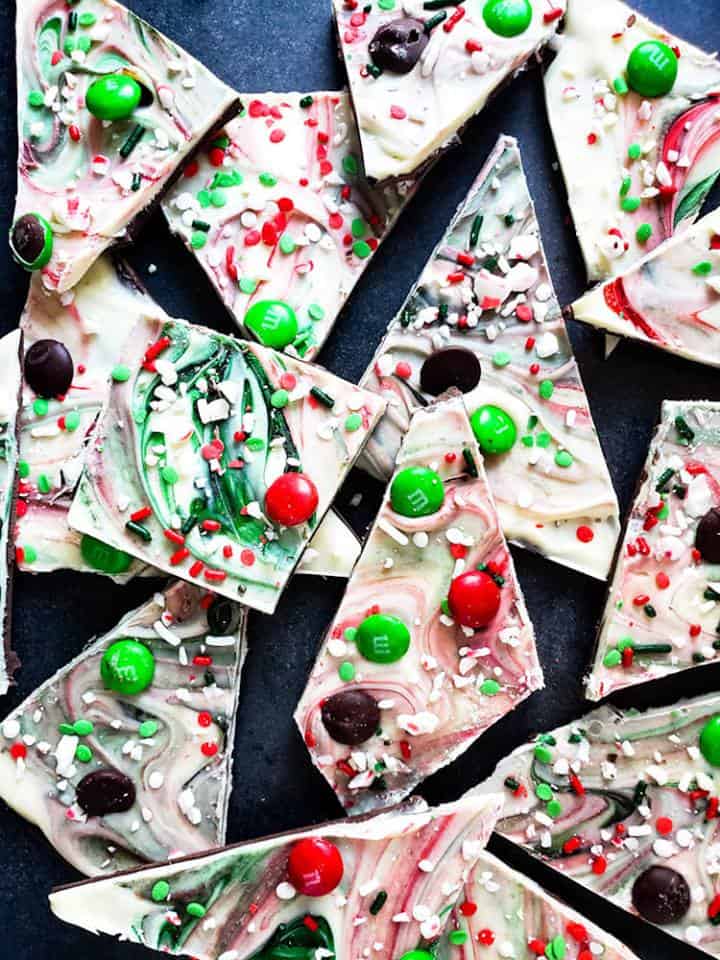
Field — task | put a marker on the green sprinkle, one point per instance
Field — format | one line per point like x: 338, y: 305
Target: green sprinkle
x: 222, y: 142
x: 645, y: 649
x: 226, y: 178
x: 84, y: 44
x: 556, y: 949
x: 36, y: 98
x: 362, y: 249
x: 204, y: 198
x: 702, y: 269
x: 306, y: 102
x: 625, y: 186
x: 458, y: 937
x: 613, y: 658
x: 83, y: 753
x: 169, y: 475
x: 66, y: 729
x: 139, y: 530
x: 349, y: 634
x: 83, y: 728
x: 543, y: 754
x: 279, y: 399
x: 41, y: 407
x: 218, y: 198
x: 358, y: 228
x: 501, y: 358
x: 386, y: 4
x: 620, y: 86
x: 247, y: 285
x: 267, y: 179
x: 72, y: 421
x: 435, y: 21
x: 643, y: 233
x: 43, y: 482
x: 353, y: 422
x: 544, y: 792
x: 378, y: 903
x: 489, y: 687
x: 287, y: 244
x: 554, y: 808
x: 120, y: 373
x: 29, y: 554
x: 350, y: 165
x: 133, y: 138
x: 563, y: 458
x: 23, y: 469
x: 546, y: 389
x: 87, y: 19
x: 631, y: 204
x: 543, y: 440
x: 196, y: 910
x: 624, y: 643
x: 160, y: 891
x: 148, y: 728
x: 528, y: 440
x: 316, y: 312
x: 685, y: 431
x: 532, y: 421
x: 198, y: 240
x: 346, y: 671
x: 324, y: 398
x: 255, y: 443
x: 634, y: 151
x: 475, y: 230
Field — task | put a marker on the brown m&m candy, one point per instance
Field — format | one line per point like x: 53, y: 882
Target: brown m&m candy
x: 707, y: 536
x: 398, y: 45
x: 31, y: 241
x: 48, y: 368
x: 105, y: 791
x: 451, y: 367
x: 661, y: 895
x: 351, y: 717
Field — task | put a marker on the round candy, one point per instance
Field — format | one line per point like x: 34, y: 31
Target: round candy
x: 105, y: 791
x: 417, y: 955
x: 417, y: 492
x: 508, y: 18
x: 113, y: 97
x: 31, y: 241
x: 273, y: 322
x: 350, y: 717
x: 474, y: 599
x: 382, y: 639
x: 101, y: 556
x: 291, y: 499
x: 48, y: 368
x: 494, y: 429
x: 710, y: 741
x: 315, y: 867
x: 451, y: 367
x: 398, y: 45
x: 223, y: 616
x: 661, y: 895
x: 652, y: 69
x: 707, y: 536
x: 127, y: 667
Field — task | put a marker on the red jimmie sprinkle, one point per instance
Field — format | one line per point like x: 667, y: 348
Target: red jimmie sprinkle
x: 142, y: 514
x: 712, y: 808
x: 572, y: 845
x: 578, y: 932
x: 182, y: 554
x: 714, y: 907
x: 599, y: 866
x: 628, y: 657
x: 450, y: 23
x: 174, y: 537
x: 524, y: 313
x: 215, y: 576
x: 550, y: 16
x: 662, y: 580
x: 196, y: 569
x: 405, y: 749
x: 576, y: 785
x: 640, y: 600
x: 465, y: 259
x: 202, y: 661
x: 473, y: 46
x: 310, y: 923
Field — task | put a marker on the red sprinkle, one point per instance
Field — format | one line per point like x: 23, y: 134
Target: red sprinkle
x: 202, y: 661
x: 191, y: 168
x: 212, y: 526
x: 640, y: 600
x: 578, y: 932
x: 310, y: 923
x: 18, y: 751
x: 662, y: 580
x: 552, y: 15
x: 572, y: 845
x: 576, y: 785
x: 196, y: 569
x: 468, y: 908
x: 465, y: 259
x: 142, y: 514
x: 247, y: 557
x: 584, y: 534
x: 664, y: 826
x: 524, y: 313
x: 405, y: 749
x: 403, y: 370
x: 215, y: 576
x: 454, y: 19
x: 74, y: 132
x: 599, y: 866
x: 182, y: 554
x: 209, y: 749
x: 473, y: 46
x: 592, y: 139
x: 204, y: 718
x: 398, y: 113
x: 695, y: 630
x: 174, y: 537
x: 216, y: 157
x: 537, y: 947
x: 486, y: 937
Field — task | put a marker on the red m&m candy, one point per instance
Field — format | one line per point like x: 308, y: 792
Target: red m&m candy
x: 474, y: 599
x: 291, y: 499
x: 315, y: 867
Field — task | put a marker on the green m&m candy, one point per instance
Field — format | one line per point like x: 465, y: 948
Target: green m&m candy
x: 652, y: 69
x: 31, y: 241
x: 417, y: 492
x: 382, y: 638
x: 127, y: 667
x: 273, y: 322
x: 494, y: 429
x: 508, y: 18
x: 101, y: 556
x: 113, y: 97
x: 710, y: 741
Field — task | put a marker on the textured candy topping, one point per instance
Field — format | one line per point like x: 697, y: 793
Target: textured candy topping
x: 107, y: 109
x: 483, y: 318
x: 432, y: 643
x: 216, y: 459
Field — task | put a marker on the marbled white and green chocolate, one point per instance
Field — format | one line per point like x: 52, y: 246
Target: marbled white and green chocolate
x: 215, y: 459
x: 635, y: 113
x: 506, y: 916
x: 662, y: 612
x: 278, y: 209
x: 671, y: 299
x: 382, y: 886
x: 418, y: 72
x: 125, y: 755
x: 72, y: 344
x: 626, y: 804
x: 483, y: 317
x: 10, y: 346
x: 108, y: 109
x: 432, y: 643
